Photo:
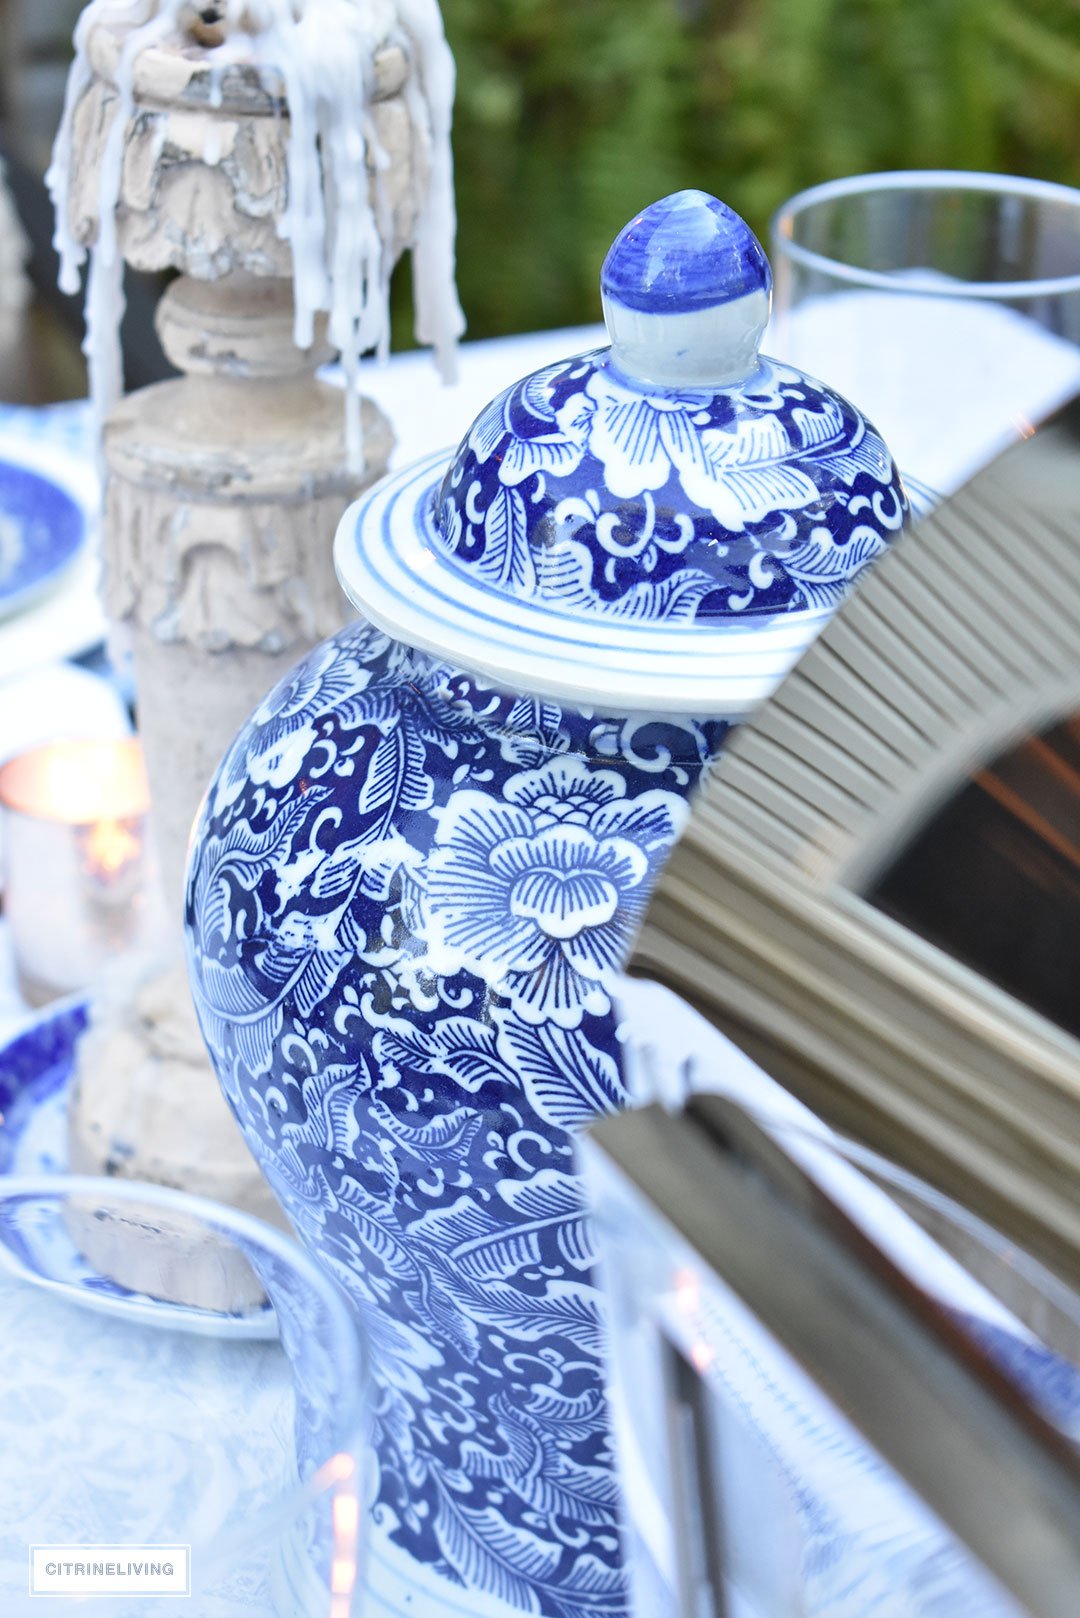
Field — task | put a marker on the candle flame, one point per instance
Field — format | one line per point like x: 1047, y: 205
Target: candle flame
x: 338, y: 1469
x: 342, y: 1575
x: 701, y: 1357
x: 346, y: 1515
x: 341, y: 1471
x: 109, y: 847
x: 687, y: 1292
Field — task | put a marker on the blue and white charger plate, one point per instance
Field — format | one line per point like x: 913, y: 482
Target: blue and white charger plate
x: 37, y: 1071
x: 48, y: 505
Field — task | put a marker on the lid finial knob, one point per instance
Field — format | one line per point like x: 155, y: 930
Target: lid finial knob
x: 686, y: 290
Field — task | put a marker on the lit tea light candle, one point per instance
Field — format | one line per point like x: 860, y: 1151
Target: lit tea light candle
x: 79, y: 887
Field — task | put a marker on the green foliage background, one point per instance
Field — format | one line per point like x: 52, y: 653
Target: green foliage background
x: 573, y: 114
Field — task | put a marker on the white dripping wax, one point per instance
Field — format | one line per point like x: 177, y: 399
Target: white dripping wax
x: 321, y: 54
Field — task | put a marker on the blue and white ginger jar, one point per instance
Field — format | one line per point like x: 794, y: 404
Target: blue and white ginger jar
x: 427, y: 851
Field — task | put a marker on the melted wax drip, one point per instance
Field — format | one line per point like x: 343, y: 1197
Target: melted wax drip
x: 321, y: 54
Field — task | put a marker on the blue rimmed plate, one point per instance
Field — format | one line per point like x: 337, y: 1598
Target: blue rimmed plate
x: 48, y: 502
x: 37, y: 1072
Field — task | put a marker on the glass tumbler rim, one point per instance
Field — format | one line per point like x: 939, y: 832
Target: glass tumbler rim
x: 971, y: 180
x: 347, y: 1347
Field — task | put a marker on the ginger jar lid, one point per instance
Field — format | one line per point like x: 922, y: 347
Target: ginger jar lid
x: 662, y: 525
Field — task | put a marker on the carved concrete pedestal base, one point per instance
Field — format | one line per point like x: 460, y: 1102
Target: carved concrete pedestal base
x: 148, y: 1109
x: 224, y: 490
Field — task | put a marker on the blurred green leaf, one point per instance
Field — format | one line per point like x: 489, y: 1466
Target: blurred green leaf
x: 573, y: 114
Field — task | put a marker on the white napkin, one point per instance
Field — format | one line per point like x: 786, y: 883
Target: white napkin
x: 948, y: 382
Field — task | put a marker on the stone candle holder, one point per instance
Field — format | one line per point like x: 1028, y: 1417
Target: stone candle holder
x: 224, y: 485
x: 182, y: 150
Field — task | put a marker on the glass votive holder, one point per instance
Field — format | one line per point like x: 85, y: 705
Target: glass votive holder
x: 203, y: 1459
x: 79, y: 876
x: 945, y: 304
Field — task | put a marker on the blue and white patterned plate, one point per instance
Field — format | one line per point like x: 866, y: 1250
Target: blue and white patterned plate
x: 48, y: 501
x: 37, y: 1069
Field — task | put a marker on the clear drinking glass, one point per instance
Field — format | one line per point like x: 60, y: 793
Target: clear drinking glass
x: 182, y: 1387
x: 946, y: 305
x: 1003, y: 1298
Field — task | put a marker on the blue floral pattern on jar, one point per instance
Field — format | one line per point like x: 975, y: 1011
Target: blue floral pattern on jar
x: 408, y: 895
x: 582, y: 489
